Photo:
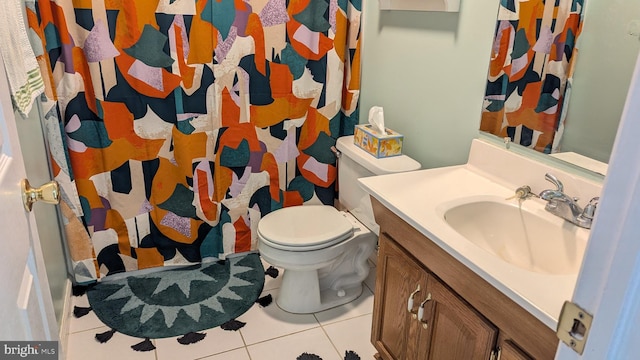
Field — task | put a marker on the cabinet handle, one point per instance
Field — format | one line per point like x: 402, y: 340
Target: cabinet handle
x: 496, y: 354
x: 421, y: 310
x: 410, y: 301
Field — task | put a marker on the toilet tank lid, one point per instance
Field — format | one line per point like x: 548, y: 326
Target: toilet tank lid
x: 381, y: 166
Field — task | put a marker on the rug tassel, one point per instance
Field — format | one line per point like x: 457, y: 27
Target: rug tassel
x: 191, y: 338
x: 232, y: 325
x: 273, y: 272
x: 307, y: 356
x: 79, y: 311
x: 350, y: 355
x: 79, y: 290
x: 105, y: 336
x: 265, y: 300
x: 146, y: 345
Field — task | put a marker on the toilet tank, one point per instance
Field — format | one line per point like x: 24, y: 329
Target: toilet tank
x: 355, y: 163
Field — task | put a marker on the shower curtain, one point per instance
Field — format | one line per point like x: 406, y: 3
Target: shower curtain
x: 531, y: 70
x: 175, y: 125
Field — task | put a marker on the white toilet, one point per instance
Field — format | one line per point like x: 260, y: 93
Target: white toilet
x: 324, y: 251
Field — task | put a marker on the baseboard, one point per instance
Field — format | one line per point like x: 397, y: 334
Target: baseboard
x: 67, y: 310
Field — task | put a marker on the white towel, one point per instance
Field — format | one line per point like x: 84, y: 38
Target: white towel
x: 20, y: 62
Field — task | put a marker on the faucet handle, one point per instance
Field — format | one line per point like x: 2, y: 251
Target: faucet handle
x: 554, y: 180
x: 590, y: 210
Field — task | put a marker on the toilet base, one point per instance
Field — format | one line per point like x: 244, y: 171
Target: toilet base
x: 309, y: 299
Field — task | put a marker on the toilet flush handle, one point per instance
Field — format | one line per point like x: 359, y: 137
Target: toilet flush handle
x: 336, y: 152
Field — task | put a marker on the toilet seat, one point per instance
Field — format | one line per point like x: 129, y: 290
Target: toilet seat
x: 304, y: 228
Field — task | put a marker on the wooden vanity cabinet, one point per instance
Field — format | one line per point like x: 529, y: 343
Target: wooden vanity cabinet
x: 448, y: 329
x: 510, y: 351
x: 398, y: 334
x: 464, y: 318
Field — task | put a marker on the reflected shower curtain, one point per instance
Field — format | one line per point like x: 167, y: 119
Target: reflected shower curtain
x: 185, y: 121
x: 530, y: 73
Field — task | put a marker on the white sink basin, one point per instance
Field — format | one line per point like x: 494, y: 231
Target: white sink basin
x: 526, y: 236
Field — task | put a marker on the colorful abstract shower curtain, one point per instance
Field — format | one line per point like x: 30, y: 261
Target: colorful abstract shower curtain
x: 531, y: 68
x: 183, y: 122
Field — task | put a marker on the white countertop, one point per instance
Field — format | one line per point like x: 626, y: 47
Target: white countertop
x: 417, y: 198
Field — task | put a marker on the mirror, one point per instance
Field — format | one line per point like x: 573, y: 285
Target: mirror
x: 607, y: 50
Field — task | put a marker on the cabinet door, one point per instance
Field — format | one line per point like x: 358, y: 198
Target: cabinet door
x: 458, y: 332
x: 395, y: 330
x: 510, y: 351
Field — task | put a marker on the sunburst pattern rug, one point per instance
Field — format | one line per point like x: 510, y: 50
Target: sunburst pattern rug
x: 179, y: 301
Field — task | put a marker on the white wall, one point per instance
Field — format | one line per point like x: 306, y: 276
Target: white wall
x: 429, y: 71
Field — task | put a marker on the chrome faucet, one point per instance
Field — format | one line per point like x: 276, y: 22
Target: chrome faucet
x: 558, y: 203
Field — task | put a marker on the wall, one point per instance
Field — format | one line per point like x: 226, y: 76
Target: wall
x: 607, y: 55
x: 428, y: 70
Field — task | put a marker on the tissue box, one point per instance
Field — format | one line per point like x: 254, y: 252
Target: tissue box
x: 378, y: 145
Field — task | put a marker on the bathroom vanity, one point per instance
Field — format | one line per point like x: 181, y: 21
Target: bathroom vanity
x: 445, y: 291
x: 465, y: 318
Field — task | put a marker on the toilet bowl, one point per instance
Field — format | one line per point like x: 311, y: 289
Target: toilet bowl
x: 324, y: 252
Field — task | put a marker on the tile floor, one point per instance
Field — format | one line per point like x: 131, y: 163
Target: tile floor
x: 269, y: 334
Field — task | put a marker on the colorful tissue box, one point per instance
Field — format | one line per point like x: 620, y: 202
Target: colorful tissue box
x: 378, y: 145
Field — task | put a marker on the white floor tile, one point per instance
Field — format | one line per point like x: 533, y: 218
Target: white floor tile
x: 217, y: 341
x: 264, y: 323
x: 89, y: 321
x: 312, y: 341
x: 83, y: 346
x: 239, y: 354
x: 360, y: 306
x: 353, y: 334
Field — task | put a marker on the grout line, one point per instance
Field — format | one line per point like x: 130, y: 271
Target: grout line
x: 155, y: 351
x: 340, y: 355
x: 330, y: 341
x: 221, y: 352
x: 91, y: 329
x: 246, y: 349
x: 343, y: 320
x: 285, y: 335
x: 295, y: 333
x: 333, y: 321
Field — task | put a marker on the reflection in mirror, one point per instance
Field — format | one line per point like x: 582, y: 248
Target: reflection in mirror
x: 529, y: 72
x: 527, y: 97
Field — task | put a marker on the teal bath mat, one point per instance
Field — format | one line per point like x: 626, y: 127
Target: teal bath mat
x: 179, y: 301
